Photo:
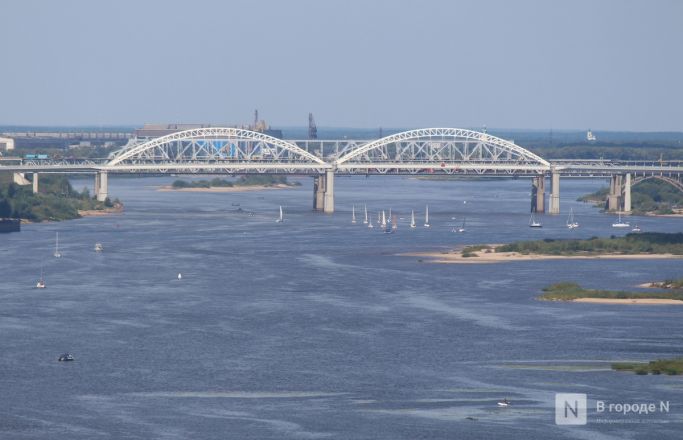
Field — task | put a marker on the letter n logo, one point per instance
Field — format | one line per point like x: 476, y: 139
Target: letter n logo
x: 570, y: 409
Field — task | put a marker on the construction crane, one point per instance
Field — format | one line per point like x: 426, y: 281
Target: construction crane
x: 312, y: 129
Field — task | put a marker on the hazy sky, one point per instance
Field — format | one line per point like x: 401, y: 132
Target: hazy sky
x: 605, y: 65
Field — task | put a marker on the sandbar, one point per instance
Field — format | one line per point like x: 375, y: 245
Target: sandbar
x: 631, y: 301
x: 484, y: 257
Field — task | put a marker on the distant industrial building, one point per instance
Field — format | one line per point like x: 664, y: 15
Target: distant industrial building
x: 150, y: 131
x: 6, y: 144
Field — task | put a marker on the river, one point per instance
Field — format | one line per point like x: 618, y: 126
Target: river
x: 315, y: 328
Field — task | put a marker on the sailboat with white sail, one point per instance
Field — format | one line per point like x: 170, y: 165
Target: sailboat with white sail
x: 394, y: 222
x: 620, y: 223
x: 533, y: 223
x: 353, y: 214
x: 365, y: 208
x: 412, y: 219
x: 571, y: 222
x: 57, y: 254
x: 383, y: 223
x: 461, y: 228
x: 281, y: 218
x: 41, y: 282
x: 427, y: 225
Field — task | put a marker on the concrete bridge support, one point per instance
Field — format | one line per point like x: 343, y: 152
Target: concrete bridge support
x: 538, y: 194
x: 555, y: 193
x: 619, y: 197
x: 613, y: 198
x: 101, y: 186
x: 319, y: 193
x: 627, y: 193
x: 329, y: 192
x: 35, y: 183
x: 20, y: 179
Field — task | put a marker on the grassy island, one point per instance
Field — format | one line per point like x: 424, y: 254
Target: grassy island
x: 668, y: 284
x: 249, y: 180
x: 631, y: 244
x: 56, y: 200
x: 671, y: 367
x: 648, y: 197
x: 568, y: 291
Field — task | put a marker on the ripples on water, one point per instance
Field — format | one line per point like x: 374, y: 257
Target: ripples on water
x: 314, y: 328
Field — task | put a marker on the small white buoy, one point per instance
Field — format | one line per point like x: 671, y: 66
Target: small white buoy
x: 180, y: 276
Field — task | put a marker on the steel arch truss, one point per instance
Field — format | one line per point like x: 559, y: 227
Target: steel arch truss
x: 215, y: 147
x: 448, y: 150
x: 678, y: 184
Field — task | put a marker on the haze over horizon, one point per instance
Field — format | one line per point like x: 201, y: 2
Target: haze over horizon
x: 608, y: 65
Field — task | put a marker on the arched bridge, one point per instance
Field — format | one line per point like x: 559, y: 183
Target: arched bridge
x: 224, y: 150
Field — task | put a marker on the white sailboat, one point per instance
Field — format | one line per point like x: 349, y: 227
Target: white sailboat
x: 281, y: 218
x: 412, y: 219
x: 620, y: 223
x: 99, y: 247
x: 180, y: 276
x: 427, y: 216
x: 571, y: 222
x: 57, y: 254
x: 533, y: 223
x: 370, y: 223
x: 461, y: 228
x: 394, y: 222
x: 365, y: 208
x: 353, y: 214
x: 384, y: 221
x: 41, y: 282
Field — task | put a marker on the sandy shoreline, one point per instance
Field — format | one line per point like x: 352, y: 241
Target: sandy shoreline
x: 483, y: 257
x: 101, y: 212
x: 630, y: 301
x: 224, y: 189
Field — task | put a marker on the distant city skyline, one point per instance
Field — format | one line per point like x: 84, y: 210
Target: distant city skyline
x: 608, y: 65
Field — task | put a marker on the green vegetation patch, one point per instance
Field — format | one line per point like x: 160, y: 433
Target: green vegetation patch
x: 650, y: 196
x: 469, y: 251
x: 660, y: 366
x: 567, y: 291
x: 56, y: 200
x: 248, y: 180
x: 631, y: 244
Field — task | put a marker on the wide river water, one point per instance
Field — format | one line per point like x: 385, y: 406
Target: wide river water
x: 315, y: 328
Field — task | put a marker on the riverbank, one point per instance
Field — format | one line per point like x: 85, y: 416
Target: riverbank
x: 224, y: 189
x: 116, y: 209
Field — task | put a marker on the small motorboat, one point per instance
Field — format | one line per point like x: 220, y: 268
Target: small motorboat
x: 504, y: 403
x: 636, y: 228
x: 99, y: 247
x: 66, y: 357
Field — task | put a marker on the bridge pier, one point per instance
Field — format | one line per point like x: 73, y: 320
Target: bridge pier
x: 614, y: 193
x: 20, y: 179
x: 538, y: 194
x: 555, y: 193
x: 101, y: 186
x: 35, y: 183
x: 329, y: 192
x: 627, y: 193
x: 319, y: 193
